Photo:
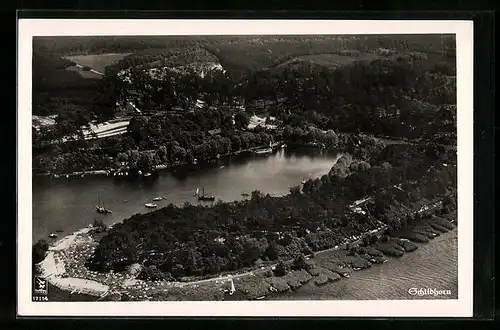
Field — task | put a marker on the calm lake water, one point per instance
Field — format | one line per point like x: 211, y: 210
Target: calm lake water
x: 433, y: 265
x: 69, y: 204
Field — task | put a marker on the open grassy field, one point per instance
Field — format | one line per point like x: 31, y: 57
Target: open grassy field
x: 331, y: 61
x: 98, y: 62
x: 248, y: 54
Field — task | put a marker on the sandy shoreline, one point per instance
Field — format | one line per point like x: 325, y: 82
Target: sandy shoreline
x: 64, y: 268
x: 76, y: 280
x: 53, y: 269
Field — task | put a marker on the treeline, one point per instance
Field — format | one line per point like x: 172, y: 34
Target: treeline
x: 243, y: 54
x: 108, y: 44
x: 157, y: 58
x: 59, y: 91
x: 388, y: 97
x: 161, y: 140
x: 383, y: 97
x: 399, y: 98
x: 197, y: 240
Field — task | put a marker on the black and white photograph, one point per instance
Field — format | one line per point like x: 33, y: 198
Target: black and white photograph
x: 246, y: 167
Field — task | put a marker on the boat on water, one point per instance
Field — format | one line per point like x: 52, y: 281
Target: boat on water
x: 222, y: 166
x: 260, y: 298
x: 101, y: 209
x: 205, y: 197
x: 150, y: 205
x: 158, y: 199
x: 52, y: 235
x: 263, y: 151
x: 147, y: 174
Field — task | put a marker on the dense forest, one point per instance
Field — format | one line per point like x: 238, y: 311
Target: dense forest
x: 397, y: 96
x: 200, y: 240
x: 244, y: 54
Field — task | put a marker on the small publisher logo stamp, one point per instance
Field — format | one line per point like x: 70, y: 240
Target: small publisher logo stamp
x: 40, y: 289
x: 421, y: 292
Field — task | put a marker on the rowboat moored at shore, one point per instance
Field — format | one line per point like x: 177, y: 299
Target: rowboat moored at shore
x: 150, y: 205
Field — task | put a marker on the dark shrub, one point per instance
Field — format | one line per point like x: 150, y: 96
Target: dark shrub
x: 40, y: 250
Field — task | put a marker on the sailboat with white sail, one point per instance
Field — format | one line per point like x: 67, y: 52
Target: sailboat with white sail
x: 205, y: 197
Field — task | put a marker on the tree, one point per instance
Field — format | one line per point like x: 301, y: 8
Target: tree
x: 39, y: 251
x: 136, y: 126
x: 99, y: 225
x: 300, y: 262
x: 272, y: 251
x: 241, y: 119
x: 295, y: 190
x: 251, y: 253
x: 281, y: 269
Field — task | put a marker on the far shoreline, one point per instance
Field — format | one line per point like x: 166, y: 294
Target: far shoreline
x: 111, y: 172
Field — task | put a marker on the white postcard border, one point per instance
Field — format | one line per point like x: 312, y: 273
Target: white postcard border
x: 462, y: 307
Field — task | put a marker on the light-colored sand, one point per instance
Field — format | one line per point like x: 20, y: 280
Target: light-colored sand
x: 129, y: 282
x: 50, y: 267
x: 53, y: 267
x: 68, y: 241
x: 79, y: 285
